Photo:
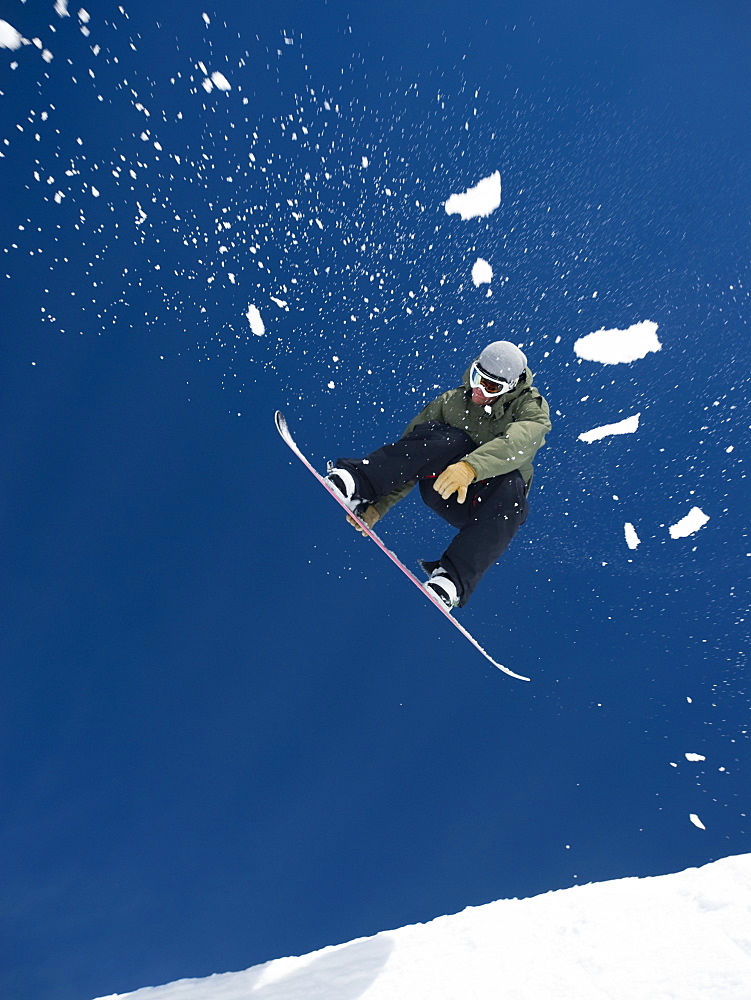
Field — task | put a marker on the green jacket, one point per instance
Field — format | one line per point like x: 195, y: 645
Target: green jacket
x: 507, y: 433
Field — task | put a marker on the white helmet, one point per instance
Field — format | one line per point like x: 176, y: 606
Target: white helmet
x: 498, y: 368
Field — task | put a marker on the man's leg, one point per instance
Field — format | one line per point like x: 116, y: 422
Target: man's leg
x: 489, y: 518
x: 426, y: 451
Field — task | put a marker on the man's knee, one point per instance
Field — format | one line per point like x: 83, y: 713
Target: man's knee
x: 503, y: 496
x: 440, y: 433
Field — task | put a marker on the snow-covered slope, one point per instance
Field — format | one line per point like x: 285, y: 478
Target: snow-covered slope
x: 672, y: 937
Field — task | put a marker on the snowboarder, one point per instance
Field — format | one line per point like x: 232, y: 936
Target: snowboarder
x: 471, y: 452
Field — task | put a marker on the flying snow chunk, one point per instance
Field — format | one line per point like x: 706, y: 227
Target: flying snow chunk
x: 696, y: 821
x: 482, y: 272
x: 9, y: 37
x: 477, y: 201
x: 694, y: 756
x: 619, y: 347
x: 220, y: 81
x: 690, y: 524
x: 256, y: 323
x: 632, y: 539
x: 627, y: 426
x: 61, y: 8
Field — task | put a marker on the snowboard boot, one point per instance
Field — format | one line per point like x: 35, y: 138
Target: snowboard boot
x: 344, y: 484
x: 429, y: 566
x: 443, y: 587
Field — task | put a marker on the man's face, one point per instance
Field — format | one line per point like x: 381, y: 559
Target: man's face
x: 485, y: 389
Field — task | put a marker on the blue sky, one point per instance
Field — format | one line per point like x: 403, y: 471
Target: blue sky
x: 229, y: 731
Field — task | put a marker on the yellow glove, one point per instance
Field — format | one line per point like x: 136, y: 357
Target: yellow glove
x: 370, y: 515
x: 455, y: 479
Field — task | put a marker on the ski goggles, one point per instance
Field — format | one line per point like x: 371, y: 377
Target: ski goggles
x: 478, y: 379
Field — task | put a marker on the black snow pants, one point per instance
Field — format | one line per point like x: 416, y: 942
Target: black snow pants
x: 488, y: 519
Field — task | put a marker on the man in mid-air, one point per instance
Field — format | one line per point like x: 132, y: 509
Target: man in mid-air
x: 471, y: 451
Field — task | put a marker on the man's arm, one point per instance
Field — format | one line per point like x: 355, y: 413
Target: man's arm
x: 517, y: 445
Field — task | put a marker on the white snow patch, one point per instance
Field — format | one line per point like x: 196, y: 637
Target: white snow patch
x: 688, y: 525
x: 84, y: 16
x: 482, y: 272
x: 694, y: 756
x: 685, y: 936
x: 477, y: 201
x: 9, y: 37
x: 220, y: 81
x: 365, y: 162
x: 632, y: 539
x: 280, y: 302
x: 256, y: 323
x: 61, y: 8
x: 618, y: 347
x: 696, y: 821
x: 627, y: 426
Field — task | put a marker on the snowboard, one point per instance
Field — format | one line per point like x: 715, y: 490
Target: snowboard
x: 284, y: 431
